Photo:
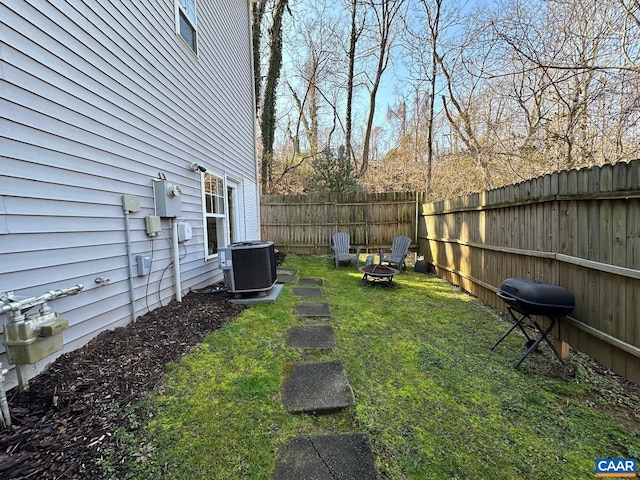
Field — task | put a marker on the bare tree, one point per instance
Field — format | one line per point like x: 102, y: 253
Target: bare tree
x: 513, y: 89
x: 569, y: 46
x: 354, y: 35
x: 433, y: 10
x: 382, y: 34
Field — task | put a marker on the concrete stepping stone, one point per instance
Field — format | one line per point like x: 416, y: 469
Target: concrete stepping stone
x: 328, y: 457
x: 286, y: 275
x: 313, y: 309
x: 312, y: 336
x: 306, y: 291
x: 310, y: 281
x: 316, y: 387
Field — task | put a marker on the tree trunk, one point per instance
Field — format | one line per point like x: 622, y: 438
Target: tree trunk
x: 268, y: 118
x: 257, y: 10
x: 434, y: 27
x: 386, y: 14
x: 353, y: 40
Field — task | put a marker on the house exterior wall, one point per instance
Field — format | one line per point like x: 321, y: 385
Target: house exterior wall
x: 97, y: 99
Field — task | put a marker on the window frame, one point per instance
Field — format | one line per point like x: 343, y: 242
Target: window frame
x: 224, y: 217
x: 234, y: 186
x: 182, y: 12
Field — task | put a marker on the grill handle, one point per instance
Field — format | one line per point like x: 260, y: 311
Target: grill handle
x: 507, y: 298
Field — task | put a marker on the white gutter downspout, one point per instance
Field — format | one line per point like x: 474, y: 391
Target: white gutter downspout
x: 176, y: 260
x: 255, y: 121
x: 417, y: 219
x: 130, y: 265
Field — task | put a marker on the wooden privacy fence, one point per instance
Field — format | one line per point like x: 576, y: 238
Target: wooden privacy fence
x: 579, y: 229
x: 304, y: 224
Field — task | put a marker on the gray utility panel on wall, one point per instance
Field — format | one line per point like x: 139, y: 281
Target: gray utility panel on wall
x: 167, y: 198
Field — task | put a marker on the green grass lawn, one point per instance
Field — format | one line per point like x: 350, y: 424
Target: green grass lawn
x: 432, y: 398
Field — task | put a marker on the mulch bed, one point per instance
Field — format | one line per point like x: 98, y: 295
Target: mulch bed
x: 67, y: 419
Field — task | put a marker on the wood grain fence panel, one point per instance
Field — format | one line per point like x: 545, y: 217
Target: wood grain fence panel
x: 620, y: 172
x: 540, y: 238
x: 582, y: 251
x: 528, y: 220
x: 619, y: 258
x: 569, y: 238
x: 510, y: 216
x: 632, y: 286
x: 466, y: 253
x: 305, y: 223
x: 571, y: 279
x: 632, y: 327
x: 633, y: 176
x: 498, y: 237
x: 592, y: 297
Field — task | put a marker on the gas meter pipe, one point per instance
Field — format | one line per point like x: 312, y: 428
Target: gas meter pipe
x: 33, y: 301
x: 5, y: 417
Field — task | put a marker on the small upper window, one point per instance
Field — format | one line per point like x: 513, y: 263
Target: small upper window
x: 186, y: 22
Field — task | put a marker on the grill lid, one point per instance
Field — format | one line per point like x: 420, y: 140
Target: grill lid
x: 537, y: 298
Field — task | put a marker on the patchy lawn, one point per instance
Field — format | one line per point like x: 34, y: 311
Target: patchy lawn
x: 432, y: 398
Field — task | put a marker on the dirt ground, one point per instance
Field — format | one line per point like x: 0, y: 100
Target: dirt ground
x: 69, y: 415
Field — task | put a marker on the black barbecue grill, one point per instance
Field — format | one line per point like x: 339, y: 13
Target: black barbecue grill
x: 525, y: 298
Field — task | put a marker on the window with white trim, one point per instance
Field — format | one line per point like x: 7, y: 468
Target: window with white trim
x: 186, y: 22
x: 214, y: 213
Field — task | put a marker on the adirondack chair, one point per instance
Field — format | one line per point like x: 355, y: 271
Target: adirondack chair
x: 396, y: 254
x: 341, y: 246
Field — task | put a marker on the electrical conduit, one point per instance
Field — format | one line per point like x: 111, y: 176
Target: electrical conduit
x: 176, y: 260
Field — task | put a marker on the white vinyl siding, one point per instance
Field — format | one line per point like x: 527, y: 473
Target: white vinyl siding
x: 89, y: 112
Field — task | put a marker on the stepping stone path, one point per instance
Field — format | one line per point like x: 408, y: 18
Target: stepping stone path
x: 286, y: 275
x: 319, y: 387
x: 330, y: 457
x: 307, y: 291
x: 311, y: 337
x: 313, y: 309
x: 316, y: 387
x: 311, y: 281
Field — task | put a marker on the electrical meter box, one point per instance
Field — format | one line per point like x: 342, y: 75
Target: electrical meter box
x: 167, y: 198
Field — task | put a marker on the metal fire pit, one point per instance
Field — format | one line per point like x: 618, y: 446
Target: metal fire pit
x: 525, y: 298
x: 372, y: 274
